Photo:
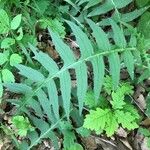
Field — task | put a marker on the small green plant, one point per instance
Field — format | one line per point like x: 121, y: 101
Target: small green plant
x: 45, y: 93
x: 22, y: 125
x: 119, y: 113
x: 69, y: 142
x: 7, y: 63
x: 55, y: 24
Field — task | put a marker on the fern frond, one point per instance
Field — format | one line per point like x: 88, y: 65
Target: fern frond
x: 127, y: 17
x: 43, y: 90
x: 87, y: 54
x: 108, y: 6
x: 46, y: 131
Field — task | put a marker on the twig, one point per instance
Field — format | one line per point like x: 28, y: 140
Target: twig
x: 104, y: 140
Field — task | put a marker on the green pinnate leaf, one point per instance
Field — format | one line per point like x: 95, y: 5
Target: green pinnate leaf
x: 108, y: 84
x: 91, y: 103
x: 15, y: 23
x: 126, y: 88
x: 112, y: 126
x: 15, y: 59
x: 130, y: 108
x: 22, y: 124
x: 7, y: 76
x: 117, y: 100
x: 126, y: 119
x: 55, y: 25
x: 97, y: 119
x: 90, y: 100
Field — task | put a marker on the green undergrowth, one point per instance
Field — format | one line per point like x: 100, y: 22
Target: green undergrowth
x: 108, y: 37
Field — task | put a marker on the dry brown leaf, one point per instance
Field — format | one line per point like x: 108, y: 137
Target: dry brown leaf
x: 141, y: 101
x: 90, y: 143
x: 126, y: 145
x: 121, y: 133
x: 144, y: 145
x: 146, y: 122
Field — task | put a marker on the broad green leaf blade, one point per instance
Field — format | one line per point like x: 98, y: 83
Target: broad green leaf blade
x: 114, y: 65
x: 108, y: 6
x: 81, y: 76
x: 53, y: 97
x: 129, y: 62
x: 79, y: 2
x: 144, y: 24
x: 47, y: 62
x: 7, y: 76
x: 47, y: 130
x: 82, y: 40
x: 118, y: 35
x: 99, y: 71
x: 142, y: 3
x: 35, y: 105
x: 124, y: 17
x: 33, y: 136
x: 92, y: 3
x: 40, y: 124
x: 65, y: 85
x: 30, y: 73
x: 104, y: 8
x: 4, y: 22
x: 45, y: 103
x: 63, y: 49
x: 145, y: 75
x: 18, y: 88
x: 7, y: 42
x: 15, y: 23
x: 103, y: 42
x: 133, y: 15
x: 72, y: 4
x: 3, y: 58
x: 24, y: 145
x: 15, y: 59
